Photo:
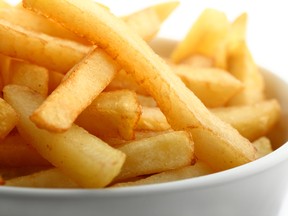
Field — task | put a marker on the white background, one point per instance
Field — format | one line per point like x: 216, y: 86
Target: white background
x: 267, y: 34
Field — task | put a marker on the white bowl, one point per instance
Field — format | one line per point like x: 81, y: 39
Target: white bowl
x: 257, y: 188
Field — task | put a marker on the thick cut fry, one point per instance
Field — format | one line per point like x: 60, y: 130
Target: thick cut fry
x: 156, y: 154
x: 213, y: 86
x: 112, y: 114
x: 47, y: 51
x: 15, y: 152
x: 50, y: 178
x: 252, y: 121
x: 80, y: 87
x: 207, y: 37
x: 242, y: 66
x: 237, y: 31
x: 32, y: 76
x: 83, y: 157
x: 216, y: 143
x: 8, y: 118
x: 198, y: 169
x: 147, y: 22
x: 263, y: 147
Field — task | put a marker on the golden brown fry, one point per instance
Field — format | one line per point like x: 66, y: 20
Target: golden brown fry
x: 32, y: 76
x: 242, y: 65
x: 50, y: 178
x: 156, y: 154
x: 216, y: 143
x: 237, y: 31
x: 252, y: 121
x: 213, y: 86
x: 80, y: 87
x: 198, y: 169
x: 88, y: 160
x: 207, y: 37
x: 44, y: 50
x: 15, y: 152
x: 147, y: 22
x: 112, y: 114
x: 8, y: 118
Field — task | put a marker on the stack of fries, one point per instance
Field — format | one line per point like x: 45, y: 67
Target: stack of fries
x: 87, y: 103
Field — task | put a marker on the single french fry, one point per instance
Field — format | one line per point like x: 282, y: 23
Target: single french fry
x: 83, y: 157
x: 44, y: 50
x: 242, y: 65
x: 8, y: 118
x: 252, y: 121
x: 213, y: 86
x: 263, y: 147
x: 147, y: 22
x: 50, y: 178
x: 78, y: 89
x: 16, y: 152
x: 32, y: 76
x: 152, y: 119
x: 156, y: 154
x: 112, y: 114
x: 237, y: 31
x: 216, y: 143
x: 192, y: 171
x: 207, y: 36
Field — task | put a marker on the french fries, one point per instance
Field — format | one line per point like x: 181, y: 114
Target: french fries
x: 87, y: 103
x: 188, y: 112
x: 91, y: 169
x: 146, y: 156
x: 75, y: 92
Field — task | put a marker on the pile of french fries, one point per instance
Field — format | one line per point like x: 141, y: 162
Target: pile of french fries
x: 87, y: 103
